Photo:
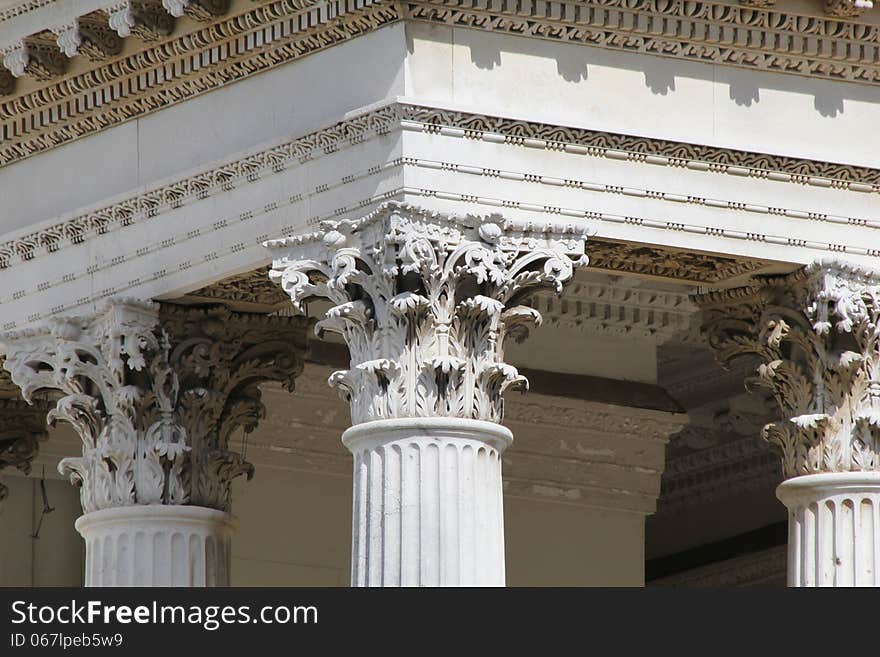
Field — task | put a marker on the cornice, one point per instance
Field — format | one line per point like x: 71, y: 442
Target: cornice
x: 21, y: 8
x: 648, y: 150
x: 170, y: 71
x: 616, y: 309
x: 756, y: 38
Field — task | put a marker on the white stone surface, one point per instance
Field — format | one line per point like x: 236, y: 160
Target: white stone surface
x: 427, y: 502
x: 157, y: 545
x: 640, y: 94
x: 833, y: 529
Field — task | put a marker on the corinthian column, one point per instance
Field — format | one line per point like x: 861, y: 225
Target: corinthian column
x: 425, y: 302
x: 816, y: 338
x: 155, y: 393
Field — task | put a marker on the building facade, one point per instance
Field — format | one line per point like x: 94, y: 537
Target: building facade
x: 655, y: 219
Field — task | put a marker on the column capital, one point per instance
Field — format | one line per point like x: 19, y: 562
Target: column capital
x: 155, y: 392
x: 816, y: 336
x: 424, y: 301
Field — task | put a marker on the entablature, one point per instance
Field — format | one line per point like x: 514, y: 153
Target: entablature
x: 52, y: 99
x: 192, y: 231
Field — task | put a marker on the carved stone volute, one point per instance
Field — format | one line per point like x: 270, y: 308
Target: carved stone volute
x: 155, y: 394
x: 425, y: 301
x: 220, y: 358
x: 816, y: 335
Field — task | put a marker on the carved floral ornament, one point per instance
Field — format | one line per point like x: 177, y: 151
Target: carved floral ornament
x: 816, y: 334
x: 425, y: 301
x: 155, y: 393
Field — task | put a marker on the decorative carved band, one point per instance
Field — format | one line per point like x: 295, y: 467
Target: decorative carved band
x: 249, y: 43
x: 595, y: 143
x: 173, y: 70
x: 711, y: 32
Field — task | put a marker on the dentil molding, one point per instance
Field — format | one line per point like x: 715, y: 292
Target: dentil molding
x: 272, y: 33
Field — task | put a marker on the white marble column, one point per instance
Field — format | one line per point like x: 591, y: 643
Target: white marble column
x: 816, y: 336
x: 424, y: 302
x: 157, y: 545
x: 833, y: 529
x: 155, y: 392
x: 427, y: 502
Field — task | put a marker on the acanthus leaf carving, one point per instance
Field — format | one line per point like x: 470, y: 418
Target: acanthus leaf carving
x: 424, y: 301
x: 155, y: 393
x: 816, y: 336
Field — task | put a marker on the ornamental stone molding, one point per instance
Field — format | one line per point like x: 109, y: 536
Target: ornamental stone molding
x: 425, y: 302
x: 155, y: 393
x: 201, y: 10
x: 841, y: 8
x: 90, y: 36
x: 816, y: 337
x: 146, y: 19
x: 756, y: 38
x: 37, y: 55
x: 669, y: 263
x: 247, y: 170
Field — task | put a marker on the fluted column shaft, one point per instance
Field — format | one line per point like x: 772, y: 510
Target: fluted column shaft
x: 425, y: 301
x: 157, y: 545
x: 816, y: 336
x: 833, y: 529
x: 427, y: 505
x: 155, y: 392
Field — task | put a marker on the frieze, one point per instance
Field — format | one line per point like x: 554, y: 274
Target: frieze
x: 266, y: 162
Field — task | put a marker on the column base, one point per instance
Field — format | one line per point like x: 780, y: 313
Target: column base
x: 157, y: 545
x: 833, y: 529
x: 427, y: 502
